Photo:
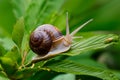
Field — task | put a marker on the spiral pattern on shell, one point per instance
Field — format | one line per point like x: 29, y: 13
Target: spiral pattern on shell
x: 41, y: 39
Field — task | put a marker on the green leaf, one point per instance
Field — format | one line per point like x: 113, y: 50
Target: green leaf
x: 86, y: 61
x: 2, y: 50
x: 25, y: 43
x: 1, y: 68
x: 117, y: 73
x: 65, y: 77
x: 7, y: 43
x: 14, y: 54
x: 92, y: 43
x: 18, y: 32
x: 3, y: 76
x: 41, y: 75
x: 74, y: 68
x: 8, y: 65
x: 7, y: 18
x: 19, y: 7
x: 32, y: 13
x: 25, y: 47
x: 30, y: 56
x: 40, y: 12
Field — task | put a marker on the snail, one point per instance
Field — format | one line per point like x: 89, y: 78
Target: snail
x: 47, y: 41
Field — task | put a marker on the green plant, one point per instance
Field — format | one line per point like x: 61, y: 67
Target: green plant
x: 16, y: 56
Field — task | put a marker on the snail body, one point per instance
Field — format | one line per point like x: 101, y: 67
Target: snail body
x: 47, y: 41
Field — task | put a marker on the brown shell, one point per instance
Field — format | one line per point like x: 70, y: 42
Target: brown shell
x: 42, y: 38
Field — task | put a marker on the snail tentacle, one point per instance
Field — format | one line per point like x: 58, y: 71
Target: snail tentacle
x: 80, y: 27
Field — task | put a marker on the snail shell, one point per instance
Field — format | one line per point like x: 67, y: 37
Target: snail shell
x: 47, y: 41
x: 42, y: 40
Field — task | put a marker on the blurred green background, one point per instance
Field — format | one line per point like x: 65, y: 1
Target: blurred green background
x: 106, y: 15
